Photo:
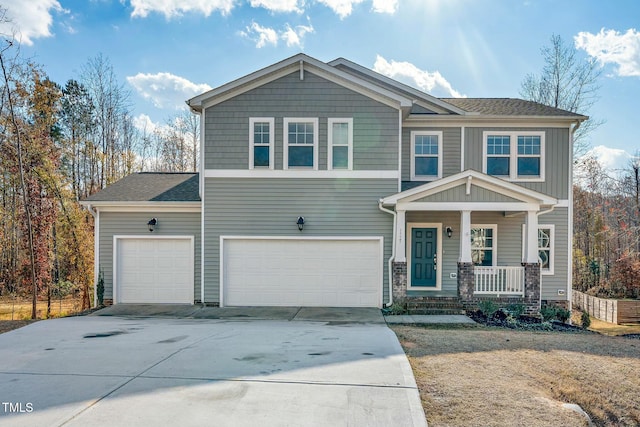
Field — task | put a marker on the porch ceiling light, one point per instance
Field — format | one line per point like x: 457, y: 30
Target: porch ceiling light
x: 300, y: 223
x: 152, y: 224
x: 449, y: 232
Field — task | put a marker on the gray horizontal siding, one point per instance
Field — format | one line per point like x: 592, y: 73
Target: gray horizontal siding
x: 459, y: 194
x: 509, y: 246
x: 558, y: 158
x: 270, y: 207
x: 375, y: 125
x: 450, y: 148
x: 135, y: 223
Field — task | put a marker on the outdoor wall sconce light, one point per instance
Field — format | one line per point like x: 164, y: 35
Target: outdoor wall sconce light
x: 152, y: 223
x: 449, y: 232
x: 300, y: 223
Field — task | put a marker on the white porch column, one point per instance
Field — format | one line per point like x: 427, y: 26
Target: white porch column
x: 465, y: 237
x: 531, y: 238
x: 401, y: 226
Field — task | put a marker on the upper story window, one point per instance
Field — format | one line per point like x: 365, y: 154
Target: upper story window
x: 516, y: 156
x: 261, y: 151
x: 426, y: 155
x: 483, y: 245
x: 300, y: 143
x: 340, y: 138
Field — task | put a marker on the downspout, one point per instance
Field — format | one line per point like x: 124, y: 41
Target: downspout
x: 96, y: 252
x: 393, y: 251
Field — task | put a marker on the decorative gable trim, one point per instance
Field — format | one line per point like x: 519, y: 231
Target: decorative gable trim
x: 471, y: 177
x: 297, y: 64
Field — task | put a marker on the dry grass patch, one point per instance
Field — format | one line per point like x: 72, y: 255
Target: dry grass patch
x: 496, y: 377
x: 20, y: 309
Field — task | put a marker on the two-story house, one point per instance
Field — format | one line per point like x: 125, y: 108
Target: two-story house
x: 327, y: 184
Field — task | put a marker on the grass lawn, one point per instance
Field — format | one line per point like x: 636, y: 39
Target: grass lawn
x: 480, y: 376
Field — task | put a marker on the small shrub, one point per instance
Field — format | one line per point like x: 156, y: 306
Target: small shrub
x: 563, y: 315
x: 548, y: 312
x: 100, y: 288
x: 585, y: 319
x: 515, y: 310
x: 546, y: 326
x: 488, y: 308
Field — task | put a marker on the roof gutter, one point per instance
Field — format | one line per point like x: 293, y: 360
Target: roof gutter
x: 393, y: 251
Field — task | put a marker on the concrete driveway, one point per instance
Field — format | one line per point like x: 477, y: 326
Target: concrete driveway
x: 296, y: 367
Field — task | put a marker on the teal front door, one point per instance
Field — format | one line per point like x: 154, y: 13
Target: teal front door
x: 424, y: 257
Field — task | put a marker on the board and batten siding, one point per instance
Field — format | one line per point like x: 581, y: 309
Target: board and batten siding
x: 508, y: 251
x: 375, y: 125
x: 450, y: 147
x: 135, y: 223
x: 558, y: 157
x: 459, y: 194
x: 270, y: 207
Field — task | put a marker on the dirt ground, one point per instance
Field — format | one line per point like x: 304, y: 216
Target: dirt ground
x: 481, y: 376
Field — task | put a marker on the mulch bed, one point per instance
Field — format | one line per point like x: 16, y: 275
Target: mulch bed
x: 501, y: 320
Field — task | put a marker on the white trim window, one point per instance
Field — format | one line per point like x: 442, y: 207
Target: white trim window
x: 426, y: 155
x: 300, y: 143
x: 340, y: 139
x: 484, y: 244
x: 514, y: 155
x: 546, y: 247
x: 261, y: 142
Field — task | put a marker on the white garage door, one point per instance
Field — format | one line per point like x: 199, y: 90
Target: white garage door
x: 154, y: 270
x: 327, y: 272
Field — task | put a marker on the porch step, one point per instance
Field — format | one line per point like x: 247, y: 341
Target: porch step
x: 435, y: 306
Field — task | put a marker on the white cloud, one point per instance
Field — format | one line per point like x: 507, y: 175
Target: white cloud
x: 279, y: 5
x: 174, y: 8
x: 144, y: 123
x: 263, y: 36
x: 293, y: 36
x: 385, y: 6
x: 412, y: 75
x: 260, y: 35
x: 166, y: 90
x: 342, y: 8
x: 611, y: 159
x: 29, y: 19
x: 613, y: 47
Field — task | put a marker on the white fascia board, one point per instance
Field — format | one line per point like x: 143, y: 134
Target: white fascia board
x: 148, y: 206
x: 429, y: 99
x: 468, y: 206
x: 301, y: 174
x: 489, y: 121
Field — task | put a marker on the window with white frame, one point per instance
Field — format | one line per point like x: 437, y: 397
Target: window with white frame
x: 484, y: 245
x: 261, y: 151
x: 426, y: 155
x: 340, y: 138
x: 517, y: 156
x: 546, y: 243
x: 300, y: 143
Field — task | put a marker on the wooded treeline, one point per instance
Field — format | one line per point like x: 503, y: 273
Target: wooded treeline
x: 58, y: 144
x: 606, y: 260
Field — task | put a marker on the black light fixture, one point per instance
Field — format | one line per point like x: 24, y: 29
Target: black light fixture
x: 152, y: 223
x: 300, y: 223
x: 449, y: 232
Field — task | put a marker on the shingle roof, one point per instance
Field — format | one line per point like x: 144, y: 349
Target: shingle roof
x: 507, y: 107
x: 151, y: 187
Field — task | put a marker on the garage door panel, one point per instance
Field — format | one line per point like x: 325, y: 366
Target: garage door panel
x: 292, y: 272
x: 154, y: 270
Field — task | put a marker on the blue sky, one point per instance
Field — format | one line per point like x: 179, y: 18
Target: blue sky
x: 165, y: 51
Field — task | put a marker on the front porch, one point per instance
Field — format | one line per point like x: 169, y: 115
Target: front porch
x: 469, y: 237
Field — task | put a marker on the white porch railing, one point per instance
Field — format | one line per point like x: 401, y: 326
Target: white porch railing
x: 499, y: 280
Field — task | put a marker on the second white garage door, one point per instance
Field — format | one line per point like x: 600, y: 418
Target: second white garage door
x: 323, y: 272
x: 156, y: 270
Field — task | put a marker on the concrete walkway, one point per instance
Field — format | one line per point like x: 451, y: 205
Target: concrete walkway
x: 408, y: 319
x: 308, y: 367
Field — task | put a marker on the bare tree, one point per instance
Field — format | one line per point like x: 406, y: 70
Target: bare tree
x: 567, y: 82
